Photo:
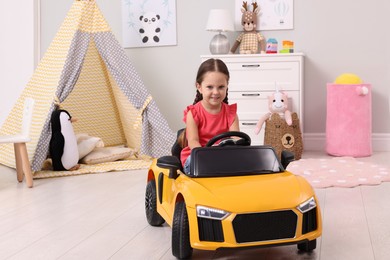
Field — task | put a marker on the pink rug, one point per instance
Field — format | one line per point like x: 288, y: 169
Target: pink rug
x: 339, y: 172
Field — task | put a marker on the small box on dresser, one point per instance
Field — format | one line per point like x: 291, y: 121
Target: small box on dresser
x: 253, y: 77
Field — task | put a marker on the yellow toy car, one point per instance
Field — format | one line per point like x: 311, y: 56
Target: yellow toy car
x: 235, y: 196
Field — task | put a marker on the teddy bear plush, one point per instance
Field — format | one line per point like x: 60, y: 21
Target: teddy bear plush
x: 250, y: 39
x: 277, y: 103
x: 283, y: 137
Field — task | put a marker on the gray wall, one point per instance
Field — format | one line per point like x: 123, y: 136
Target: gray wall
x: 335, y: 36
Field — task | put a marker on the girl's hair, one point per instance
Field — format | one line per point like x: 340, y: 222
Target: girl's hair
x: 211, y: 65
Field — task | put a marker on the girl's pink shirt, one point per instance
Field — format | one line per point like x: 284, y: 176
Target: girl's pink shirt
x: 208, y: 124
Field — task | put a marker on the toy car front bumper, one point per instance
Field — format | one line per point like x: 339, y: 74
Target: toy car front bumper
x: 272, y: 228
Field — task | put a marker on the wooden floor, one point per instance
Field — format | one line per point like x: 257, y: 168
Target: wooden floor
x: 101, y: 216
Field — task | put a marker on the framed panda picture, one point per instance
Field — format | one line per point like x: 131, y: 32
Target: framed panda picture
x: 147, y: 23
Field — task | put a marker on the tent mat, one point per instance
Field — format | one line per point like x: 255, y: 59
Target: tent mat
x: 123, y: 165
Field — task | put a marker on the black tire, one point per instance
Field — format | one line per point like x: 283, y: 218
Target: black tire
x: 154, y: 219
x: 308, y: 246
x: 181, y: 246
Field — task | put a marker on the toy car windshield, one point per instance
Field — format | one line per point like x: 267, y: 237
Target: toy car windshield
x: 234, y: 161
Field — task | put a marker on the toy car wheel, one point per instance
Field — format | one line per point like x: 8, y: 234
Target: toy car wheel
x: 152, y: 215
x: 181, y: 246
x: 308, y: 246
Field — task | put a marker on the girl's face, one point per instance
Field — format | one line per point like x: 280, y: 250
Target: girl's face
x: 213, y: 89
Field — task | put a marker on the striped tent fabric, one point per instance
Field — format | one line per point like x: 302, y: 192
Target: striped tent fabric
x: 86, y: 68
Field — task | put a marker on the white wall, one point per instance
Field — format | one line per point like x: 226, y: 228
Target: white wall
x: 17, y: 51
x: 336, y: 37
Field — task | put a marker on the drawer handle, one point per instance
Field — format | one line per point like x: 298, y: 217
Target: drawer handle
x: 251, y: 95
x: 248, y: 123
x: 251, y: 65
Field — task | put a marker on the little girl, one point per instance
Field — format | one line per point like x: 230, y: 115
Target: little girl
x: 210, y: 113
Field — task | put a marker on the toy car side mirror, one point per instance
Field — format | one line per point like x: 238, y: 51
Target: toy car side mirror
x: 170, y: 162
x: 286, y: 158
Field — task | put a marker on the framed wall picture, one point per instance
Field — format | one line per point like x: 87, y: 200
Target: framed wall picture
x: 273, y: 15
x: 147, y: 23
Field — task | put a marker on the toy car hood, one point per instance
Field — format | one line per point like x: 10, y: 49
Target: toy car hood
x: 268, y: 192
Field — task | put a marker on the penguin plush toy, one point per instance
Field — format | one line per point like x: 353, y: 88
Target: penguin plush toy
x: 63, y: 143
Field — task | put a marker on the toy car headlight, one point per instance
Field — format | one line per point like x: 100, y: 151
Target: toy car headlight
x: 211, y: 213
x: 307, y: 205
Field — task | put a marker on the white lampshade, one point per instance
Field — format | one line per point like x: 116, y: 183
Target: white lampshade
x: 219, y: 21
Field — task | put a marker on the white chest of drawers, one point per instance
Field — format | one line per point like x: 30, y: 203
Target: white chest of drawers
x: 254, y: 77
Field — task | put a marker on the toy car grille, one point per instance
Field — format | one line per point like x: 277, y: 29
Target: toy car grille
x: 265, y: 226
x: 309, y: 221
x: 210, y: 230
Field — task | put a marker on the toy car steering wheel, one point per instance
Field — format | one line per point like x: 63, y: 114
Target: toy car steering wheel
x: 244, y: 141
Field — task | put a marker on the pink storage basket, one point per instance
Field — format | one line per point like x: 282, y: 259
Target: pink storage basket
x: 348, y: 120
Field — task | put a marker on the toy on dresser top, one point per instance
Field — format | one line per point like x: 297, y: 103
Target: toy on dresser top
x: 288, y: 47
x: 272, y: 46
x: 250, y: 39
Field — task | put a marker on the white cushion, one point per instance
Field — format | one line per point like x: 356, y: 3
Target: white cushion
x: 86, y: 144
x: 106, y: 154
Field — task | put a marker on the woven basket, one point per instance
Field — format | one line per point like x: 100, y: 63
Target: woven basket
x: 282, y: 137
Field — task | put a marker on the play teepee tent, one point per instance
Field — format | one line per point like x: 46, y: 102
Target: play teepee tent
x: 88, y: 71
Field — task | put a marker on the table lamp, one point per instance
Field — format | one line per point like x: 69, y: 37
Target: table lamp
x: 219, y: 21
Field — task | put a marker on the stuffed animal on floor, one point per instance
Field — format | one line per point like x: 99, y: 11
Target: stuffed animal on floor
x: 283, y: 137
x: 250, y: 39
x: 63, y: 143
x: 277, y: 103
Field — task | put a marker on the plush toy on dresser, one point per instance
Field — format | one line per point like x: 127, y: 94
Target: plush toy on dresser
x: 250, y: 39
x: 63, y: 143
